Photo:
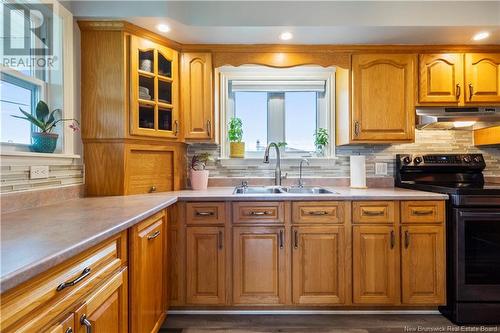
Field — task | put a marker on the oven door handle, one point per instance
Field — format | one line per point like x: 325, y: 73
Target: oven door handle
x: 479, y: 214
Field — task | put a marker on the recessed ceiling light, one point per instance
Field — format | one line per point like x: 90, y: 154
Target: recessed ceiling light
x: 163, y: 27
x: 286, y: 36
x: 481, y: 35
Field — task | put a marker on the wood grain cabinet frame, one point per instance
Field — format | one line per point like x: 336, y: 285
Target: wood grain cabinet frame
x: 482, y: 77
x: 205, y: 213
x: 422, y: 212
x: 269, y: 212
x: 318, y: 212
x: 375, y: 212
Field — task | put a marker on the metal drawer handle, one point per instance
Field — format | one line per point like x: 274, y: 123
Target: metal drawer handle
x: 296, y: 239
x: 176, y: 131
x: 152, y: 189
x: 318, y: 212
x: 356, y: 128
x: 83, y: 275
x: 458, y: 91
x: 204, y: 213
x: 221, y: 240
x: 282, y: 239
x: 85, y: 322
x: 69, y: 330
x: 407, y: 239
x: 154, y: 235
x: 471, y: 91
x: 423, y: 212
x: 393, y: 239
x: 253, y: 213
x: 209, y: 128
x: 373, y: 213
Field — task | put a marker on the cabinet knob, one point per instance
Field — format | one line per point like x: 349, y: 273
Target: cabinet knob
x: 152, y: 189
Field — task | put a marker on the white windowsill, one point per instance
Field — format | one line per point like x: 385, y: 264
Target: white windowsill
x: 41, y: 155
x: 286, y: 161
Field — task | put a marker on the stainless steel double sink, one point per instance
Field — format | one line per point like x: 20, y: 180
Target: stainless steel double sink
x: 281, y: 190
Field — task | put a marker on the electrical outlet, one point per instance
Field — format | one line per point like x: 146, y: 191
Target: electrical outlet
x: 381, y: 169
x: 39, y: 171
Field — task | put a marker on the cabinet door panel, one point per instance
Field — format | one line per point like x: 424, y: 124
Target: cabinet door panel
x: 147, y: 276
x: 318, y: 265
x: 205, y: 266
x: 259, y: 265
x: 375, y: 265
x: 441, y: 78
x: 383, y: 97
x: 423, y: 265
x: 196, y: 70
x: 482, y: 76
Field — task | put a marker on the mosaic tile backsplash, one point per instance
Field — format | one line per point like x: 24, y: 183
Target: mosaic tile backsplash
x: 428, y: 141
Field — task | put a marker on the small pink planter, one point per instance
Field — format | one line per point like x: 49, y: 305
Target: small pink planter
x: 199, y: 179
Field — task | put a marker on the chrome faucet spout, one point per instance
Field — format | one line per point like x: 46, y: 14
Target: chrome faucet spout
x: 277, y: 170
x: 306, y: 161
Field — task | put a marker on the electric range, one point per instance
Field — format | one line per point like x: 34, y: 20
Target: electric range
x: 472, y: 230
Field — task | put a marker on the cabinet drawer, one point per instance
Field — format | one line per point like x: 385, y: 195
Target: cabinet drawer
x: 149, y: 171
x: 54, y: 291
x: 318, y: 212
x: 374, y: 212
x: 422, y: 211
x: 205, y: 212
x: 258, y: 212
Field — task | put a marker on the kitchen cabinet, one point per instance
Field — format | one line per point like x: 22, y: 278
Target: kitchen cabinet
x: 318, y: 268
x: 205, y: 266
x: 487, y: 136
x: 147, y: 286
x: 105, y: 310
x: 383, y: 103
x: 197, y: 96
x: 130, y: 98
x: 66, y: 325
x: 482, y: 77
x: 259, y: 265
x: 423, y: 264
x: 375, y: 265
x: 441, y: 78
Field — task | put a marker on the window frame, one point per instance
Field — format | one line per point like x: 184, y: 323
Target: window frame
x: 225, y: 74
x: 67, y: 102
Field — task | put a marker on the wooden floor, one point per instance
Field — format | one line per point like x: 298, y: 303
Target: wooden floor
x: 342, y: 323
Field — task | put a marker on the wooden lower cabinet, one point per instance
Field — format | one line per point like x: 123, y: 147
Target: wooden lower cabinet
x: 259, y: 265
x: 318, y: 268
x: 375, y: 265
x: 105, y: 310
x: 148, y: 258
x: 66, y: 325
x: 205, y: 266
x: 423, y: 264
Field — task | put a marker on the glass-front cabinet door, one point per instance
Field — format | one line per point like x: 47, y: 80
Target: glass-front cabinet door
x: 154, y: 89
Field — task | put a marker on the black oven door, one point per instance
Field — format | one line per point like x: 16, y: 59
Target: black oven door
x: 477, y: 254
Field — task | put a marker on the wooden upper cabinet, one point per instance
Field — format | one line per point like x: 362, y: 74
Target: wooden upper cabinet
x: 383, y: 98
x: 205, y: 266
x: 441, y: 78
x: 482, y: 77
x: 147, y: 306
x: 375, y: 265
x: 105, y: 310
x: 423, y: 265
x: 318, y: 265
x: 154, y: 77
x: 196, y: 96
x: 259, y: 265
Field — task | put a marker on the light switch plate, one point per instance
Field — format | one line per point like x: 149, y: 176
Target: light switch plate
x: 381, y: 169
x: 39, y: 171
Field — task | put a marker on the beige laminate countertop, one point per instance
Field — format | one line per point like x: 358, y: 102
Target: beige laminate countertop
x: 35, y: 240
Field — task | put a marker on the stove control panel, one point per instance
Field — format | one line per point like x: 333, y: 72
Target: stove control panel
x: 441, y: 160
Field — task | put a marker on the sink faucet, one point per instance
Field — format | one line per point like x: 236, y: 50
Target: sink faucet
x: 306, y: 161
x: 277, y: 170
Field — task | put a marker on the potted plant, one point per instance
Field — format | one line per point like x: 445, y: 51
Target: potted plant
x: 44, y: 141
x: 235, y: 135
x: 321, y: 141
x: 198, y: 174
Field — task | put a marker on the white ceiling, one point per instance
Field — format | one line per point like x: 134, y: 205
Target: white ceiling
x: 311, y: 22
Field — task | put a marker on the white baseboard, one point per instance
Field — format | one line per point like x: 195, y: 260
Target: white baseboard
x: 301, y: 312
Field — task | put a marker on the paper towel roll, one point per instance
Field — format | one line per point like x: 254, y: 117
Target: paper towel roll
x: 358, y: 171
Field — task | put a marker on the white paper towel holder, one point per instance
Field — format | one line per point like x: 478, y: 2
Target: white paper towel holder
x: 363, y: 174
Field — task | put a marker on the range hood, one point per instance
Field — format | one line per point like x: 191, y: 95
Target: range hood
x: 457, y: 118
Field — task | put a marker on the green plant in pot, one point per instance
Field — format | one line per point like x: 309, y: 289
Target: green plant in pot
x: 198, y: 175
x: 235, y: 135
x: 321, y: 141
x: 44, y: 141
